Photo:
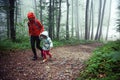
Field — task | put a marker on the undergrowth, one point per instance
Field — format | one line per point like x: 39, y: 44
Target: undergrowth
x: 104, y: 63
x: 24, y: 43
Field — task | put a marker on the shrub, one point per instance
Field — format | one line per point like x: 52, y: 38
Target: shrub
x: 104, y: 63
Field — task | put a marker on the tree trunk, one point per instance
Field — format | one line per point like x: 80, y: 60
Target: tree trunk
x: 99, y: 20
x: 8, y: 24
x: 53, y: 18
x: 108, y: 20
x: 41, y: 11
x: 92, y: 14
x: 67, y: 21
x: 12, y: 27
x: 77, y: 19
x: 102, y: 17
x: 59, y: 19
x: 35, y: 7
x: 72, y: 29
x: 56, y: 18
x: 89, y: 20
x: 86, y: 20
x: 50, y: 18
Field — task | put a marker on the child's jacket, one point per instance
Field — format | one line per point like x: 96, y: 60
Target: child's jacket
x: 46, y: 42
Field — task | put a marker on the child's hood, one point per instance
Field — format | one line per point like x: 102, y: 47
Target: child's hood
x: 45, y: 33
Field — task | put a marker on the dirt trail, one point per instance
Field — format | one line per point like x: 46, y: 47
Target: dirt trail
x: 66, y: 64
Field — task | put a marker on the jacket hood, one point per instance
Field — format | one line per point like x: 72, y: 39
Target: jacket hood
x: 45, y: 33
x: 31, y: 15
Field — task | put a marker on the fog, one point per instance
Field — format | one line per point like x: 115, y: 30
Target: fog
x: 28, y: 5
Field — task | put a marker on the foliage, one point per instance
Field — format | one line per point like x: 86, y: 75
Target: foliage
x: 104, y: 64
x: 18, y: 44
x: 23, y: 42
x: 22, y: 29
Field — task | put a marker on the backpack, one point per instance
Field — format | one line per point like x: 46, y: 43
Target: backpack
x: 36, y: 24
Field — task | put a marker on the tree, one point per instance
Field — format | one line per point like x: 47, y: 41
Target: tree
x: 102, y: 17
x: 59, y: 19
x: 72, y: 29
x: 118, y: 19
x: 50, y: 18
x: 12, y: 27
x: 86, y: 20
x: 108, y: 21
x: 92, y: 20
x: 77, y: 18
x: 67, y: 21
x: 41, y: 11
x: 99, y: 18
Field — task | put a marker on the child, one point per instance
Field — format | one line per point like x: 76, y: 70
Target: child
x: 46, y: 45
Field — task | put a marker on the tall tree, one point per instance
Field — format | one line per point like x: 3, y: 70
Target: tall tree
x: 92, y: 20
x: 59, y: 19
x: 102, y: 17
x: 86, y: 20
x: 118, y: 16
x: 50, y: 18
x: 53, y: 13
x: 12, y: 27
x: 35, y: 3
x: 67, y: 21
x: 108, y: 20
x: 77, y: 18
x: 72, y: 29
x: 99, y: 19
x: 41, y: 11
x: 89, y: 19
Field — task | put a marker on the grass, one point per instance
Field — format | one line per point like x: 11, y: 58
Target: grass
x: 24, y: 43
x: 17, y: 45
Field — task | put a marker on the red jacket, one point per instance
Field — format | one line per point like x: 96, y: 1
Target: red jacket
x: 35, y: 27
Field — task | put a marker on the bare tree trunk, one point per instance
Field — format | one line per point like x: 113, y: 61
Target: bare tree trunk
x: 41, y: 12
x: 77, y: 20
x: 35, y: 7
x: 86, y: 20
x: 16, y: 13
x: 92, y: 14
x: 72, y: 29
x: 12, y: 27
x: 56, y: 18
x: 8, y: 23
x: 108, y: 20
x: 102, y: 17
x: 53, y: 19
x: 89, y: 20
x: 67, y: 21
x: 99, y: 20
x: 59, y: 19
x: 50, y: 18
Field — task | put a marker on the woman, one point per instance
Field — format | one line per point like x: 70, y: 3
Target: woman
x: 35, y: 29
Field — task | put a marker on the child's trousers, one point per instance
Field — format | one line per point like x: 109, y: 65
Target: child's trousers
x: 45, y: 53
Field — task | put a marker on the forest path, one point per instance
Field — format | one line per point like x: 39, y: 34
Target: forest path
x: 66, y: 63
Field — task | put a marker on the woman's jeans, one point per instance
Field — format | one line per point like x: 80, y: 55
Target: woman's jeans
x: 35, y: 43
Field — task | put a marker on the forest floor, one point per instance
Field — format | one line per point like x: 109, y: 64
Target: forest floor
x: 66, y: 63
